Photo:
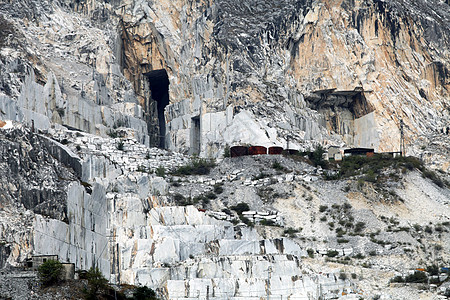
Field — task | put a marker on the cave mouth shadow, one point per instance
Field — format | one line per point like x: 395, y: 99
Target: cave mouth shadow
x: 159, y: 87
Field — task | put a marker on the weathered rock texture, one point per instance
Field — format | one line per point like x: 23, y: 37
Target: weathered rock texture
x: 193, y: 76
x: 204, y: 74
x: 321, y: 69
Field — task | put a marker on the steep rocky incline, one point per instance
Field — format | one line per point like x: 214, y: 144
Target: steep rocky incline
x: 89, y: 88
x: 193, y: 76
x: 30, y: 176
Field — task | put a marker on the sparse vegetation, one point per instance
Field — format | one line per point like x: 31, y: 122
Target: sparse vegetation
x: 97, y: 284
x: 112, y: 134
x: 317, y: 157
x: 144, y: 293
x: 332, y: 253
x: 372, y: 168
x: 197, y: 166
x: 277, y: 166
x: 120, y: 146
x: 50, y: 272
x: 323, y: 208
x: 290, y: 231
x: 218, y: 189
x: 267, y: 222
x: 240, y: 208
x: 417, y: 277
x: 160, y: 171
x: 226, y: 151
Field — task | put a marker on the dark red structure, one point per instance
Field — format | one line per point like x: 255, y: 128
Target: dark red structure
x: 237, y: 151
x: 257, y: 150
x: 275, y: 150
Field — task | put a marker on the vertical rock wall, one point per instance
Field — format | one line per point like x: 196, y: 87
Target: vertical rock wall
x: 249, y: 55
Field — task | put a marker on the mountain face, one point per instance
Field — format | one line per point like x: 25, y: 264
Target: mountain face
x: 107, y: 97
x: 200, y: 73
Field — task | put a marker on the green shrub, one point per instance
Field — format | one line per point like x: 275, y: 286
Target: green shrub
x: 112, y: 134
x: 178, y: 197
x: 226, y: 151
x: 240, y: 208
x: 291, y: 231
x: 359, y: 227
x: 332, y: 253
x: 417, y: 277
x: 120, y: 146
x: 197, y: 166
x: 97, y: 284
x: 144, y: 293
x: 160, y: 171
x: 323, y: 208
x: 342, y: 276
x: 277, y: 166
x: 431, y: 175
x: 246, y: 221
x: 218, y: 189
x: 50, y: 272
x: 175, y: 184
x: 210, y: 195
x: 261, y: 176
x: 340, y: 232
x: 310, y: 252
x: 398, y: 279
x: 433, y: 270
x: 267, y: 222
x: 317, y: 157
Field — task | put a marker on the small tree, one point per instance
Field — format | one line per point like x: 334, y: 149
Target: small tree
x: 226, y: 151
x: 96, y: 283
x: 50, y: 272
x: 317, y: 157
x: 144, y: 293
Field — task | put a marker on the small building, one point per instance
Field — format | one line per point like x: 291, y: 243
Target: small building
x: 274, y: 150
x: 334, y: 153
x: 257, y: 150
x: 36, y: 261
x: 369, y: 152
x: 237, y: 151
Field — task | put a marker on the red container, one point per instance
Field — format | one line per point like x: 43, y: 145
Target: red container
x: 275, y: 150
x: 237, y: 151
x: 257, y: 150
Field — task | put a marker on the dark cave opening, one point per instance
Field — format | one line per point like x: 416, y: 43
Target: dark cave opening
x: 159, y: 87
x: 195, y: 136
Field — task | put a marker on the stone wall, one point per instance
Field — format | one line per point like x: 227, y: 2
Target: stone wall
x: 84, y: 239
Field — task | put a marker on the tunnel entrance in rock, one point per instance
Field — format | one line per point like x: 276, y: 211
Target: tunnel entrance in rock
x: 159, y: 87
x: 340, y: 109
x: 195, y: 135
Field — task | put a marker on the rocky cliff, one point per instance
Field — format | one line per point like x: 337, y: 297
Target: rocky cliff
x: 345, y: 71
x: 204, y: 74
x: 91, y: 88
